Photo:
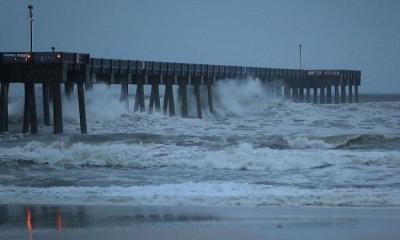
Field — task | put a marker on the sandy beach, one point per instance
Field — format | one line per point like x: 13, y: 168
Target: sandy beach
x: 130, y: 222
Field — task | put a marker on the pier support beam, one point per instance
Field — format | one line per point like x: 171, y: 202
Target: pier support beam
x: 315, y: 95
x: 139, y: 98
x: 30, y: 117
x: 210, y: 98
x: 329, y: 94
x: 337, y: 94
x: 169, y: 100
x: 343, y: 93
x: 350, y: 93
x: 308, y: 95
x: 322, y: 99
x: 278, y: 89
x: 69, y: 89
x: 301, y: 97
x: 154, y: 97
x: 198, y: 99
x: 269, y: 84
x: 286, y: 91
x: 4, y: 107
x: 57, y: 109
x: 183, y: 97
x: 295, y: 94
x: 82, y: 111
x: 356, y: 93
x: 25, y: 121
x: 46, y: 107
x: 124, y: 93
x: 90, y: 80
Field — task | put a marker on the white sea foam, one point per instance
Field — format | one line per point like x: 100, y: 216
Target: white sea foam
x: 203, y: 193
x: 234, y: 96
x: 241, y: 157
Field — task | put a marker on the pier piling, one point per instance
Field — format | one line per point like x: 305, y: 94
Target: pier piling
x: 329, y: 94
x: 302, y: 94
x: 154, y: 97
x: 198, y: 99
x: 4, y: 107
x: 286, y: 92
x: 343, y: 93
x: 322, y: 95
x: 278, y: 89
x: 350, y: 93
x: 124, y: 92
x: 82, y: 111
x: 46, y: 107
x: 69, y: 89
x: 57, y: 109
x: 32, y: 108
x: 183, y: 97
x: 308, y: 95
x: 295, y: 94
x: 139, y: 98
x: 336, y: 94
x: 169, y: 102
x: 315, y: 95
x: 25, y: 121
x: 356, y: 93
x: 210, y: 98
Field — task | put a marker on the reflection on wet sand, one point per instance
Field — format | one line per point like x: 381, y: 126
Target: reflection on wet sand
x: 28, y: 219
x: 60, y: 217
x: 59, y: 221
x: 42, y: 222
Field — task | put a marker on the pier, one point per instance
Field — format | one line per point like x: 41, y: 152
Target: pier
x: 54, y: 70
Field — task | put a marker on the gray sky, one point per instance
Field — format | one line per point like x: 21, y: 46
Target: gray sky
x: 345, y: 34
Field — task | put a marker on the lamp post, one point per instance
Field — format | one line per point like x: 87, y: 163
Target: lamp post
x: 30, y: 104
x: 300, y: 55
x: 30, y: 7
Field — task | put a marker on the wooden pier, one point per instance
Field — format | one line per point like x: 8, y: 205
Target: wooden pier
x: 54, y: 69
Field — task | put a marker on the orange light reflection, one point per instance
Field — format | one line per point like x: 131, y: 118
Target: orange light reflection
x: 28, y: 219
x: 59, y: 221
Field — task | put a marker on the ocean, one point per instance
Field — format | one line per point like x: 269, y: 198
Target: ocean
x: 255, y: 151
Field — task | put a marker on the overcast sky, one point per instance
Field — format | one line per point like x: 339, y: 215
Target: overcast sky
x: 337, y: 34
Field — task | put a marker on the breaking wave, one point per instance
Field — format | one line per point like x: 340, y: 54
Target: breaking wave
x: 137, y: 154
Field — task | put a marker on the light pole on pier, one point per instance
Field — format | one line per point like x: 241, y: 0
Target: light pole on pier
x: 300, y: 55
x: 30, y: 7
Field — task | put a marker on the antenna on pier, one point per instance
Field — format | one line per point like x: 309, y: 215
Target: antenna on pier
x: 30, y: 17
x: 300, y: 55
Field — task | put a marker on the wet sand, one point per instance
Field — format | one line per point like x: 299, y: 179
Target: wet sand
x: 129, y: 222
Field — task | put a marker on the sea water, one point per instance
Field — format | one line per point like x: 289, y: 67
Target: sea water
x: 256, y: 150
